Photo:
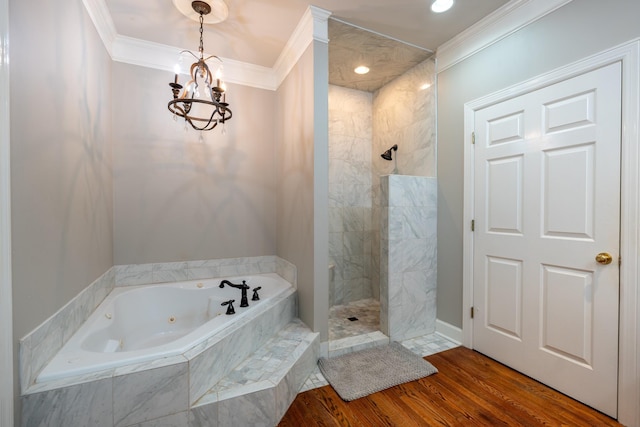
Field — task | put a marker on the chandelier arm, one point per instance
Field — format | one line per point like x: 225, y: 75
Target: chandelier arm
x: 186, y: 89
x: 213, y: 56
x: 190, y: 53
x: 192, y: 70
x: 209, y: 77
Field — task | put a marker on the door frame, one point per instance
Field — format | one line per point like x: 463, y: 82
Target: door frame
x: 6, y: 302
x: 628, y: 55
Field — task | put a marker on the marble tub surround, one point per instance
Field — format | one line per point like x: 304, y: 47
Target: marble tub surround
x: 162, y: 388
x: 210, y: 361
x: 408, y: 261
x: 41, y: 344
x: 257, y: 392
x: 144, y: 274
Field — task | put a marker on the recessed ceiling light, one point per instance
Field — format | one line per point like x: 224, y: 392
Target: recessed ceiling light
x: 440, y: 6
x: 362, y: 69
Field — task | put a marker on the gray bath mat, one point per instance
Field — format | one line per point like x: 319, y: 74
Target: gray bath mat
x: 364, y: 372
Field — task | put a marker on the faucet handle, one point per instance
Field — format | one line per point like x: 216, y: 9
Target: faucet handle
x: 229, y: 304
x: 256, y: 297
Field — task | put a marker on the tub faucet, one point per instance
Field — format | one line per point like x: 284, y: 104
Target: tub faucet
x: 243, y: 301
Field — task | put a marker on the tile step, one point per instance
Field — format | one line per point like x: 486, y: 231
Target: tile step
x: 261, y: 388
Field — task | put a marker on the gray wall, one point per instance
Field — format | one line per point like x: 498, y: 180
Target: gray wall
x: 176, y: 198
x: 295, y: 180
x: 61, y: 191
x: 576, y: 30
x: 60, y: 157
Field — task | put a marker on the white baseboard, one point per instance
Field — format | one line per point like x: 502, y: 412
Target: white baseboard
x: 450, y: 332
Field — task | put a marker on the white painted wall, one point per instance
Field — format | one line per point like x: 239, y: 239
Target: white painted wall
x: 574, y: 31
x: 178, y: 199
x: 6, y: 312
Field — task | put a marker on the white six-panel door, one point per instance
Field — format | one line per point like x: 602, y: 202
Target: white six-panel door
x: 547, y: 202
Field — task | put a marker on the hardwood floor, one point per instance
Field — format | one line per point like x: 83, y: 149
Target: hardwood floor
x: 469, y: 390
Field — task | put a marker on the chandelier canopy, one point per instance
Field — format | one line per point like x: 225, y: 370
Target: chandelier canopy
x: 202, y: 102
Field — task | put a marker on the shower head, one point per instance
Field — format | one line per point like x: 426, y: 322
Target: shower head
x: 387, y: 154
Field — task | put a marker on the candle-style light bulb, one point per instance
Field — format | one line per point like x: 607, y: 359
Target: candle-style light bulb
x: 176, y: 70
x: 219, y: 77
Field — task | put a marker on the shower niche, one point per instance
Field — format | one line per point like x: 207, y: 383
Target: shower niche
x: 392, y: 106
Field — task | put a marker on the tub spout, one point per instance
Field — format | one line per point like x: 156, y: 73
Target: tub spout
x: 244, y: 302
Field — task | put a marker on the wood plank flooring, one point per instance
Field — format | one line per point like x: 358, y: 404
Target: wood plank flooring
x: 469, y: 390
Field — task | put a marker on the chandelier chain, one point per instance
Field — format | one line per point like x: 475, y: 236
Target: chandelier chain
x: 201, y: 43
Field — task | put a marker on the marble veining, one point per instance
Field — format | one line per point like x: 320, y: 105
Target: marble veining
x: 69, y: 406
x: 150, y: 394
x: 409, y: 269
x: 181, y: 419
x: 387, y: 58
x: 350, y: 194
x: 157, y: 392
x: 262, y: 387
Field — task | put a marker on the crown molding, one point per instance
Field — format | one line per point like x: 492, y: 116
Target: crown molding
x: 320, y: 25
x: 129, y: 50
x: 158, y: 56
x: 494, y: 27
x: 99, y: 14
x: 312, y: 26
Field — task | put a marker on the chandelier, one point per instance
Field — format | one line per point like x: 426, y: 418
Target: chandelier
x: 202, y: 103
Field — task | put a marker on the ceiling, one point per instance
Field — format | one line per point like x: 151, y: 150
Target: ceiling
x: 257, y: 31
x: 386, y: 58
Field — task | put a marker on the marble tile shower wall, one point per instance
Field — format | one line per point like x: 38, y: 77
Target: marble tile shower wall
x: 41, y: 344
x: 350, y: 229
x: 409, y: 272
x: 403, y: 114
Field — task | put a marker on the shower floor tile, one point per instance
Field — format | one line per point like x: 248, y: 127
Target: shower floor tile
x: 367, y: 313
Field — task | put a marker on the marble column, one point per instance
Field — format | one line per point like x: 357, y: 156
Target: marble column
x: 408, y: 256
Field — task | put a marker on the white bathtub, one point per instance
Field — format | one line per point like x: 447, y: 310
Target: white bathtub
x: 141, y: 323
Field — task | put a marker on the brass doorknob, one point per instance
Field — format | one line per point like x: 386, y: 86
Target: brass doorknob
x: 604, y: 258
